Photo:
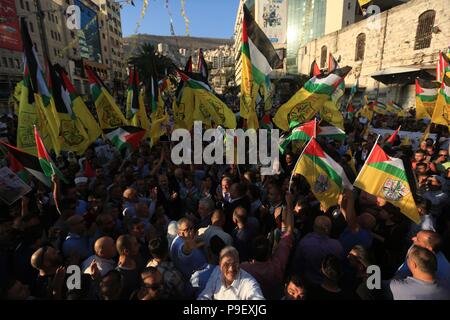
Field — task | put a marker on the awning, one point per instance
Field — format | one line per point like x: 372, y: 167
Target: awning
x: 401, y: 75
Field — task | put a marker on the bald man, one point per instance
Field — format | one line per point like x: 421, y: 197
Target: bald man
x: 431, y: 241
x: 76, y: 242
x: 313, y: 248
x: 216, y: 229
x: 105, y: 251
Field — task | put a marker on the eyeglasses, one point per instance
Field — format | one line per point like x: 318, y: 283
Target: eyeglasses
x: 443, y: 155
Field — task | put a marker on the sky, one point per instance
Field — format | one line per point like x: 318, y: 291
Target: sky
x: 208, y: 18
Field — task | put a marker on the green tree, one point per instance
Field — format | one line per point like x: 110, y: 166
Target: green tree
x: 150, y: 63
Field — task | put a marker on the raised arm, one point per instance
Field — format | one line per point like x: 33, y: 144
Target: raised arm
x: 347, y: 205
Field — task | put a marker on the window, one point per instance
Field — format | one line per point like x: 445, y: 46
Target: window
x: 103, y: 35
x: 5, y: 62
x: 323, y: 57
x: 51, y: 32
x: 56, y: 19
x: 349, y: 5
x: 360, y: 46
x: 59, y: 36
x: 72, y: 34
x: 21, y: 4
x: 27, y: 5
x: 31, y: 27
x: 11, y: 63
x: 35, y: 47
x: 424, y: 30
x: 74, y: 51
x: 17, y: 63
x: 107, y: 62
x: 49, y: 16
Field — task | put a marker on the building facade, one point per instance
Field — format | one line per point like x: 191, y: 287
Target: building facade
x: 98, y: 43
x: 387, y: 51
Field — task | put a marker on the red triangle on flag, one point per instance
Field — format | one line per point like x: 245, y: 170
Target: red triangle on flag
x: 377, y: 155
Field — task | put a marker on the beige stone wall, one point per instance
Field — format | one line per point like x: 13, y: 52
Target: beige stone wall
x: 390, y: 45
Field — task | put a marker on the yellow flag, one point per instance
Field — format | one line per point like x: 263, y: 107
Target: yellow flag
x: 301, y: 108
x: 29, y: 115
x: 183, y: 112
x: 210, y: 107
x: 331, y: 114
x: 442, y: 108
x: 87, y: 119
x: 109, y: 114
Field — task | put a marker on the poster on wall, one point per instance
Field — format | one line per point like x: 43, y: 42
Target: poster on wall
x: 9, y: 28
x: 271, y: 16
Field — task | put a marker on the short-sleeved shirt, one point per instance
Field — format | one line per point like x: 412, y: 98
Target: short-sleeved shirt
x: 187, y: 264
x: 414, y: 289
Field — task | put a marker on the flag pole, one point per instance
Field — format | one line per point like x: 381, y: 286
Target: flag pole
x: 295, y: 167
x: 368, y: 157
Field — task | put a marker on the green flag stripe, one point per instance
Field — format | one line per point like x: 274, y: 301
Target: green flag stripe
x: 390, y: 169
x: 327, y: 168
x: 320, y: 88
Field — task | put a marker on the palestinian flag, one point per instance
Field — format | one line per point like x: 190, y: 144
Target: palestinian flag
x: 35, y: 107
x: 188, y: 66
x: 132, y: 94
x: 73, y: 135
x: 202, y: 66
x: 47, y: 165
x: 310, y: 99
x: 332, y: 63
x: 109, y: 113
x: 29, y: 162
x: 379, y: 107
x: 308, y: 130
x: 384, y: 176
x: 331, y: 132
x: 125, y: 137
x: 442, y: 109
x: 394, y: 135
x: 298, y: 133
x: 426, y: 96
x: 15, y: 165
x: 315, y: 70
x: 267, y: 122
x: 443, y: 65
x: 325, y: 176
x: 258, y: 59
x: 76, y: 103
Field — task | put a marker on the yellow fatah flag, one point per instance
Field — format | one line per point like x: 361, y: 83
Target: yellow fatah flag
x: 331, y: 114
x: 442, y: 109
x: 385, y: 177
x: 325, y: 176
x: 304, y: 104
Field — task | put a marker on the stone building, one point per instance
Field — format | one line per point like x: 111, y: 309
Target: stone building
x: 387, y: 51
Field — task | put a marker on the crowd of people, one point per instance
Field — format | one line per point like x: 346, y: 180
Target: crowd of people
x: 141, y: 228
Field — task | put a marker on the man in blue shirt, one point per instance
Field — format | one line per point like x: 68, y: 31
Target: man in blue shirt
x: 185, y: 251
x: 431, y: 241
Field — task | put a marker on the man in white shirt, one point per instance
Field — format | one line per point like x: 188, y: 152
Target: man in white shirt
x: 215, y: 229
x: 105, y: 251
x: 229, y: 282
